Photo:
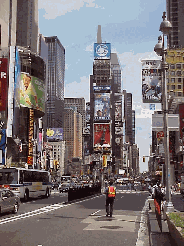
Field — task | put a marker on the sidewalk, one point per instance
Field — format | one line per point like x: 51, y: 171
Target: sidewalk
x: 159, y: 232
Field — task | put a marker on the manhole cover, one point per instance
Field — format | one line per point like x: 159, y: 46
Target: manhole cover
x: 111, y: 227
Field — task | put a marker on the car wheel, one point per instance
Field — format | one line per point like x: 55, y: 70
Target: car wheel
x: 15, y: 209
x: 26, y: 196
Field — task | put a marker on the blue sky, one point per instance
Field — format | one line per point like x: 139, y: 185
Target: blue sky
x: 132, y: 28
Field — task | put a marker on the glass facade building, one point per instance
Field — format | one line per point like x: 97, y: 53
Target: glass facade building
x: 55, y: 82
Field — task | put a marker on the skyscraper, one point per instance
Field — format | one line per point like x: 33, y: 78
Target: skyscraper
x: 128, y: 114
x: 27, y: 24
x: 55, y: 83
x: 79, y: 103
x: 175, y: 14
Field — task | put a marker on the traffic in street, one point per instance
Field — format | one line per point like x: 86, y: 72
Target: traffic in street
x: 82, y: 222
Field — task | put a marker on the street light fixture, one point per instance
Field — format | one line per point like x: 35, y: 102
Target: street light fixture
x: 165, y: 28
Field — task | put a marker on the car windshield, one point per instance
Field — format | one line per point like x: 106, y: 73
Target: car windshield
x: 8, y: 177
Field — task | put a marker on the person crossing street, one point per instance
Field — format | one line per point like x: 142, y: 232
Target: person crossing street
x: 110, y: 192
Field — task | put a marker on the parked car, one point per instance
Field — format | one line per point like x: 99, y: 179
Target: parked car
x: 9, y: 202
x: 64, y: 187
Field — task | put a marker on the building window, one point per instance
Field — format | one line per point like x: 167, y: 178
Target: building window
x: 178, y: 66
x: 172, y: 80
x: 178, y: 73
x: 179, y: 87
x: 172, y: 73
x: 173, y: 87
x: 179, y: 94
x: 179, y: 80
x: 172, y: 66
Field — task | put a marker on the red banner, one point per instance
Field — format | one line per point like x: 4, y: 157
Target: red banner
x: 102, y: 135
x: 3, y: 83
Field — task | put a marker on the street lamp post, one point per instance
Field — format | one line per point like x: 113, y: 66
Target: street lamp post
x: 165, y: 28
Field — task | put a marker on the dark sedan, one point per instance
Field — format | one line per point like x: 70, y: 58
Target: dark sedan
x: 9, y: 202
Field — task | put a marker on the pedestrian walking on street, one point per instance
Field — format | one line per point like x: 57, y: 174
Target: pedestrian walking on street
x: 110, y: 192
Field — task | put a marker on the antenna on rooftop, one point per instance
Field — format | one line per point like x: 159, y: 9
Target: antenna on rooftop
x: 99, y: 38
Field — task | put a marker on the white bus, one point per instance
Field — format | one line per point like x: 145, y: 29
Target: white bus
x: 26, y: 183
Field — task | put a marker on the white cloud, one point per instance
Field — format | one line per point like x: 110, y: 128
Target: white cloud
x: 54, y: 8
x: 67, y: 66
x: 90, y: 47
x: 81, y: 89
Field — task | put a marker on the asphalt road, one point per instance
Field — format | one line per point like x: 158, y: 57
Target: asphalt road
x: 50, y: 222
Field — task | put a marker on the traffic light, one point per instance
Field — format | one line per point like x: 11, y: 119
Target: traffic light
x: 143, y: 159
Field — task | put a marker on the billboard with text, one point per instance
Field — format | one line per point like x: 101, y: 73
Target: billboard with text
x: 102, y: 106
x: 3, y: 83
x: 32, y: 92
x: 151, y: 81
x: 102, y: 51
x: 102, y: 135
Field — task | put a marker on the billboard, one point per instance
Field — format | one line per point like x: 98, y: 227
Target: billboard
x: 32, y: 92
x: 151, y: 81
x: 102, y: 137
x: 118, y: 111
x: 3, y: 83
x: 3, y: 145
x: 101, y: 88
x: 102, y: 106
x: 30, y: 137
x: 102, y: 51
x: 17, y: 78
x: 55, y: 134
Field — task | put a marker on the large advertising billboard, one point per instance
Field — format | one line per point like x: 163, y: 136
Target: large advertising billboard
x: 32, y: 92
x: 118, y: 111
x: 151, y: 81
x: 102, y: 51
x: 102, y: 136
x: 102, y: 106
x: 55, y: 134
x: 3, y: 83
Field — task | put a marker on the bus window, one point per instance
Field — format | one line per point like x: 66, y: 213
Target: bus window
x: 8, y: 177
x: 27, y: 176
x: 21, y: 177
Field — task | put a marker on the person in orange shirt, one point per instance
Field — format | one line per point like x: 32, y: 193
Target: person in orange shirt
x: 110, y: 192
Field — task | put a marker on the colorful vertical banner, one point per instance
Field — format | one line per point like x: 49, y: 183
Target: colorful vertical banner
x: 30, y: 143
x: 3, y: 83
x: 104, y: 159
x: 151, y: 81
x: 3, y: 144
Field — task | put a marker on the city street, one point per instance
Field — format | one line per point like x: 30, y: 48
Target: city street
x: 51, y: 222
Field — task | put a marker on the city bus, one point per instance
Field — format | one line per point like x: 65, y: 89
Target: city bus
x: 26, y: 183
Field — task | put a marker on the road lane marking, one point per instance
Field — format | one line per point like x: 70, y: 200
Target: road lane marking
x: 95, y: 212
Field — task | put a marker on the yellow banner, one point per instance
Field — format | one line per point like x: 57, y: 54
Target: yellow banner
x: 104, y: 161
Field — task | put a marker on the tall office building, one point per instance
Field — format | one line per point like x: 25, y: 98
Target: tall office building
x: 55, y: 82
x: 129, y: 123
x: 72, y: 133
x: 175, y: 75
x: 79, y: 103
x: 175, y: 14
x: 27, y: 24
x: 117, y: 133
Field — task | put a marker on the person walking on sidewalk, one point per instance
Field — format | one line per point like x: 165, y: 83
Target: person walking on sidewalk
x: 110, y: 192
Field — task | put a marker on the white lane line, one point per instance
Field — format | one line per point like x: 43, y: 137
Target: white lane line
x: 95, y: 212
